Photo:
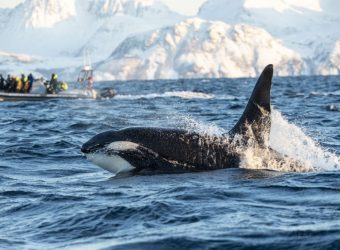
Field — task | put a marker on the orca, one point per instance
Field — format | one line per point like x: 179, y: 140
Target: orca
x: 159, y: 150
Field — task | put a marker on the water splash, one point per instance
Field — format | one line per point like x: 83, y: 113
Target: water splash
x: 291, y: 150
x: 190, y: 124
x: 290, y: 139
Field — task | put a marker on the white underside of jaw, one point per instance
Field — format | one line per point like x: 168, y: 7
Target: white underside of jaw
x: 112, y: 163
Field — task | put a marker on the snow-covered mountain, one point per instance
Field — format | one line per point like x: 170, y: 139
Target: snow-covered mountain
x: 309, y: 27
x: 143, y: 39
x: 199, y: 48
x: 4, y: 14
x: 45, y: 14
x: 65, y: 27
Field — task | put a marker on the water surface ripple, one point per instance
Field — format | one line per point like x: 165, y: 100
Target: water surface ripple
x: 51, y: 197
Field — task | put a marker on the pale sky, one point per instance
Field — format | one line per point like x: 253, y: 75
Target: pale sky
x: 187, y: 7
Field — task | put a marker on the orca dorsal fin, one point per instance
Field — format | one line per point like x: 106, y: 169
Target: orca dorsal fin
x: 255, y: 120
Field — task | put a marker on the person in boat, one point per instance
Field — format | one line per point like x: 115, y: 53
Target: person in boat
x: 63, y: 86
x: 7, y: 83
x: 24, y: 80
x: 2, y: 82
x: 52, y: 86
x: 89, y: 83
x: 30, y: 83
x: 25, y: 85
x: 11, y: 84
x: 19, y: 85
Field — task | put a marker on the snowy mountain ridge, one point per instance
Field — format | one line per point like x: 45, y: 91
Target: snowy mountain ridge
x: 53, y: 28
x: 143, y: 39
x: 309, y: 27
x: 196, y: 48
x: 45, y: 14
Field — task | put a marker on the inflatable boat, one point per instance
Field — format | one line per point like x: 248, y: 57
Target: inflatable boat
x: 39, y: 94
x: 82, y: 89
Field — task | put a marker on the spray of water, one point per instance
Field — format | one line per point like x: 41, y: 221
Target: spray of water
x: 290, y: 149
x: 190, y: 124
x: 290, y: 139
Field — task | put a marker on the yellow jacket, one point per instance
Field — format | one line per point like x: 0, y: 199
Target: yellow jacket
x: 19, y: 85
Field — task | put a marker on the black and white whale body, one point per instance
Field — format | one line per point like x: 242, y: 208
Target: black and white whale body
x: 173, y: 150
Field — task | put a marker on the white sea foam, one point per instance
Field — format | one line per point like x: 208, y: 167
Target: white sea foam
x: 320, y: 93
x: 180, y: 94
x: 335, y: 93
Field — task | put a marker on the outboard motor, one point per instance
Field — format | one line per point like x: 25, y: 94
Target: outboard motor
x: 107, y: 93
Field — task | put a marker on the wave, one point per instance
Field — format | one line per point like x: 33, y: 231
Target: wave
x: 220, y: 241
x: 171, y: 242
x: 320, y: 93
x: 179, y: 94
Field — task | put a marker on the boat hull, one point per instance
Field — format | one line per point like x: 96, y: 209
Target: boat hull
x: 40, y: 97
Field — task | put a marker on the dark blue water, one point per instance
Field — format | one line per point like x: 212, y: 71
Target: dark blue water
x: 51, y: 197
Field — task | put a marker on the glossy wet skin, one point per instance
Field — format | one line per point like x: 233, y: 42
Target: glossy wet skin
x: 166, y: 149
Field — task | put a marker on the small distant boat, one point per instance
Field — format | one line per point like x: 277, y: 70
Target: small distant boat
x: 83, y: 89
x: 39, y: 93
x: 39, y: 97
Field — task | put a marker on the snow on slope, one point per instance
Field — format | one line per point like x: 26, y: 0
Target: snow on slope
x: 136, y: 8
x: 122, y: 18
x: 310, y: 27
x: 198, y: 48
x: 132, y: 39
x: 45, y: 14
x: 275, y: 15
x: 4, y: 14
x: 42, y: 27
x: 64, y: 27
x: 332, y: 65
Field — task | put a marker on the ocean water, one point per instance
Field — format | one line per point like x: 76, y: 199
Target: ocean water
x: 51, y: 197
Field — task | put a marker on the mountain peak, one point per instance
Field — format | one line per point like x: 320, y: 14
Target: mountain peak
x: 46, y: 13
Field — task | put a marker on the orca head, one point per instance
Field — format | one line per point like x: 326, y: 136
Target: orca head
x: 120, y: 151
x: 110, y: 151
x: 99, y: 142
